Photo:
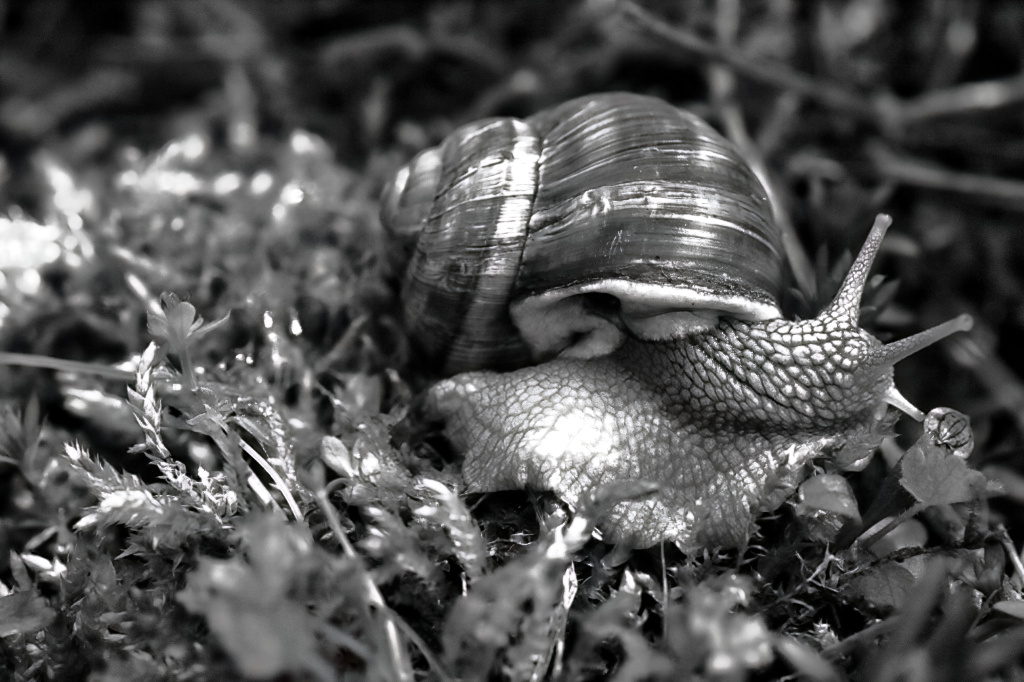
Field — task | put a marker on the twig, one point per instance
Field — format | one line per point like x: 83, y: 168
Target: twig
x: 870, y: 540
x: 723, y: 87
x: 889, y: 113
x: 1011, y: 551
x: 778, y: 123
x: 62, y: 365
x: 773, y: 73
x: 963, y: 99
x: 409, y: 44
x: 911, y: 171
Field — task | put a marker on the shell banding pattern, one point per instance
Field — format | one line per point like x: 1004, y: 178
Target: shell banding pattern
x: 556, y: 233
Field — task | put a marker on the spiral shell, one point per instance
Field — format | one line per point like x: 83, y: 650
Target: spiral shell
x: 559, y: 234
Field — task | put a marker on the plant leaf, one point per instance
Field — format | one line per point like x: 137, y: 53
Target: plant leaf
x: 933, y: 477
x: 1010, y: 608
x: 23, y: 613
x: 825, y: 503
x: 886, y: 584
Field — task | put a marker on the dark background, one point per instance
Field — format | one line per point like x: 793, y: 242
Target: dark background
x: 848, y: 108
x: 855, y: 108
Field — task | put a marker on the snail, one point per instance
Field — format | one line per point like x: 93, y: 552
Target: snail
x: 599, y: 285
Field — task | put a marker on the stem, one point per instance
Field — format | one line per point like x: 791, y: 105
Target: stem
x: 188, y: 369
x: 1011, y: 551
x: 400, y: 663
x: 868, y: 634
x: 278, y: 481
x: 62, y: 365
x: 867, y: 542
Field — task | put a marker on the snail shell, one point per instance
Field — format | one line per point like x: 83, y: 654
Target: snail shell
x: 559, y: 233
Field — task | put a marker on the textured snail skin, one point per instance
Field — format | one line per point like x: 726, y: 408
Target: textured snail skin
x: 724, y: 420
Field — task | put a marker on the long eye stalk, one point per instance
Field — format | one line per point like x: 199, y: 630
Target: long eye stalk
x: 846, y: 305
x: 846, y: 308
x: 891, y: 353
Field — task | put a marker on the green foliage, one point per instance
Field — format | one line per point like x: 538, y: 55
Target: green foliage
x: 24, y: 613
x: 933, y: 477
x: 177, y: 326
x: 253, y: 498
x: 271, y: 603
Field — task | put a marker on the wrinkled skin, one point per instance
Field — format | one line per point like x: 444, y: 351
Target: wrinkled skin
x: 723, y: 422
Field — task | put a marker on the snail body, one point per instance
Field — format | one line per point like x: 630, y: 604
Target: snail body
x: 672, y: 365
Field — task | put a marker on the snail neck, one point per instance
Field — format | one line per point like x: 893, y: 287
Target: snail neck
x: 773, y: 376
x: 816, y: 375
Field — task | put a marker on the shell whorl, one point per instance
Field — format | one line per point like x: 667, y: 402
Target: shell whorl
x: 552, y: 234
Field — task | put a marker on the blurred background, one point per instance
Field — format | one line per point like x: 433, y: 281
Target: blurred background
x: 847, y: 108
